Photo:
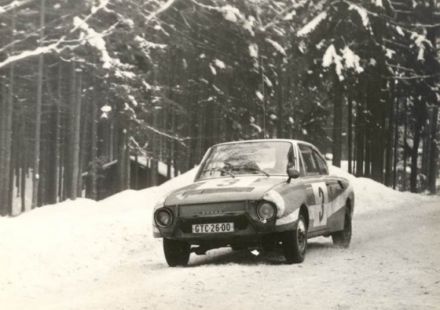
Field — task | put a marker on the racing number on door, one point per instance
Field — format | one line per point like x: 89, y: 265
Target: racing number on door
x: 321, y: 199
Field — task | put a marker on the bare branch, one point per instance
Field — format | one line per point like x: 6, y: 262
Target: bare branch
x: 412, y: 77
x: 162, y: 9
x: 164, y: 134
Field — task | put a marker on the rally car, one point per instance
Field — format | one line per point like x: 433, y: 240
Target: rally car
x: 256, y: 194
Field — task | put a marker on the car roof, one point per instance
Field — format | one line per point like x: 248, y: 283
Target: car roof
x: 265, y: 140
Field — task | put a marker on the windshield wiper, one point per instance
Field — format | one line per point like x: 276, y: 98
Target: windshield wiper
x: 227, y: 172
x: 257, y: 169
x: 223, y: 170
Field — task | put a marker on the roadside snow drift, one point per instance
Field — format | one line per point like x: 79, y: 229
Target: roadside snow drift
x: 371, y: 196
x: 84, y: 254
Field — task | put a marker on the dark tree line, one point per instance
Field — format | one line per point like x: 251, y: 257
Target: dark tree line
x: 88, y: 84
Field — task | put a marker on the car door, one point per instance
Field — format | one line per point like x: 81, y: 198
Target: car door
x: 315, y: 181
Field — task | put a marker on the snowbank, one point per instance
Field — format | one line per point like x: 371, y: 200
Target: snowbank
x: 75, y: 242
x: 371, y: 196
x: 72, y: 255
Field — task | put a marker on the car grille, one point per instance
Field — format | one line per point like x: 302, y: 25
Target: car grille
x: 212, y: 209
x: 213, y: 213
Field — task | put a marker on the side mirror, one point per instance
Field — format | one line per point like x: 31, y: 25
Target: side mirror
x: 292, y: 173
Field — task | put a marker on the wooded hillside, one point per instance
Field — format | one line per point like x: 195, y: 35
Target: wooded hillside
x: 84, y: 83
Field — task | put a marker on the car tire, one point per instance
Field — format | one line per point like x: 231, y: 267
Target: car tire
x: 295, y: 242
x: 342, y: 238
x: 176, y: 252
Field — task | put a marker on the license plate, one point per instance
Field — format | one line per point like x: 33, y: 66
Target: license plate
x: 212, y: 228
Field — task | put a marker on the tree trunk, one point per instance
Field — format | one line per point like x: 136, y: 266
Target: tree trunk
x: 154, y: 160
x: 433, y: 143
x: 123, y: 161
x: 94, y: 151
x: 3, y: 104
x: 405, y: 138
x: 37, y: 137
x: 24, y: 167
x: 9, y: 110
x: 396, y: 144
x: 280, y: 104
x: 350, y: 134
x: 6, y: 200
x: 389, y: 143
x: 419, y: 111
x: 69, y: 134
x: 360, y: 138
x: 377, y: 109
x: 76, y: 171
x: 433, y: 166
x: 85, y: 116
x: 57, y: 152
x: 414, y: 158
x: 337, y: 124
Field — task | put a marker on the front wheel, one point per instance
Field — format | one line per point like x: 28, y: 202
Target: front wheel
x: 176, y: 252
x: 342, y: 238
x: 295, y: 242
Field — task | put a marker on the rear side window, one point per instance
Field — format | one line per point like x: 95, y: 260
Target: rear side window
x: 310, y: 163
x: 321, y: 163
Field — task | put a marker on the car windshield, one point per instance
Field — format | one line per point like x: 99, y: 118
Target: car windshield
x: 266, y: 158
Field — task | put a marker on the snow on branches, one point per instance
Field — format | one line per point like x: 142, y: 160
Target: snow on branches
x: 345, y: 61
x: 277, y: 46
x: 81, y: 22
x: 351, y: 60
x: 233, y: 15
x: 96, y: 40
x: 310, y: 26
x: 377, y: 3
x: 363, y: 14
x: 420, y: 41
x: 13, y: 5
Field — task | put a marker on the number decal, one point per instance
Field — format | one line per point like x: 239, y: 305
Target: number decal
x: 319, y: 212
x: 321, y: 195
x: 228, y: 182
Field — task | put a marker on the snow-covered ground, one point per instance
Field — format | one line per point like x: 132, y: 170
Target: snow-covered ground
x: 101, y: 255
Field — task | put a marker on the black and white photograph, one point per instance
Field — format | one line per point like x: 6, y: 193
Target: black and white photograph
x: 219, y: 154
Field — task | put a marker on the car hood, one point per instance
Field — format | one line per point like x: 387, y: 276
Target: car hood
x: 224, y: 189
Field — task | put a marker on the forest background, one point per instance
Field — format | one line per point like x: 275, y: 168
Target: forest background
x: 87, y: 83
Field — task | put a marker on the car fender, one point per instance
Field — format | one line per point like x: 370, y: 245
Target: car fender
x: 338, y: 207
x: 291, y: 196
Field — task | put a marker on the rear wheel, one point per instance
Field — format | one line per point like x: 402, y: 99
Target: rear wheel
x: 295, y: 242
x: 176, y: 252
x: 342, y: 238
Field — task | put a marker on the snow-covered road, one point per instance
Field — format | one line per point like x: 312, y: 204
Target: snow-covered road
x: 87, y: 255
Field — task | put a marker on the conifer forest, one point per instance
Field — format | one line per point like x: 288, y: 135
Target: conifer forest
x: 89, y: 86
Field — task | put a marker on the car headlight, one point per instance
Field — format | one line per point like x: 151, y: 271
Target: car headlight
x: 265, y: 211
x: 163, y: 217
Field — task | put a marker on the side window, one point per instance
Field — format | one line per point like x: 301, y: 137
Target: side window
x: 310, y: 163
x: 290, y: 157
x: 321, y: 163
x: 301, y: 165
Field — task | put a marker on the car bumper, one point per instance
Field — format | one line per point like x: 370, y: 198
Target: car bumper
x: 247, y: 226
